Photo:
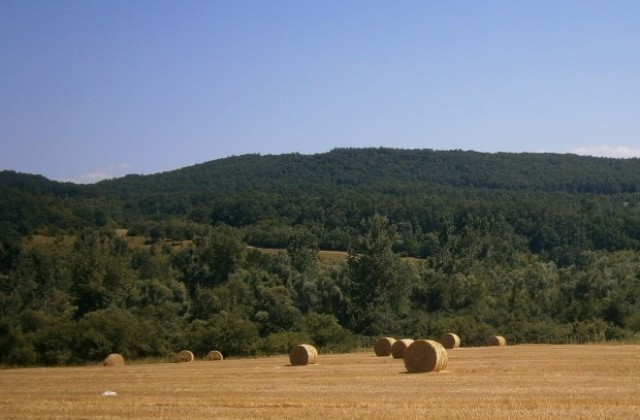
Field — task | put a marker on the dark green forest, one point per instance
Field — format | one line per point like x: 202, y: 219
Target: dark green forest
x: 535, y: 247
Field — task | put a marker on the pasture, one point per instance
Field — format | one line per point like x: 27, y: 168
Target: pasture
x: 520, y: 381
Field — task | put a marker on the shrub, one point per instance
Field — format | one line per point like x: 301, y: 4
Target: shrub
x: 281, y: 343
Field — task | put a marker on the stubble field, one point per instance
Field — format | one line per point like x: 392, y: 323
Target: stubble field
x: 523, y: 381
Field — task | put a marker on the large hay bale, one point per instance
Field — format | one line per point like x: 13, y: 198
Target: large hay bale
x: 184, y: 356
x: 303, y: 354
x: 114, y: 359
x: 425, y: 356
x: 382, y: 346
x: 214, y: 355
x: 496, y: 340
x: 399, y: 347
x: 450, y: 341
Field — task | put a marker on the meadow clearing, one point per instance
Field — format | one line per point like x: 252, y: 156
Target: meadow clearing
x: 521, y: 381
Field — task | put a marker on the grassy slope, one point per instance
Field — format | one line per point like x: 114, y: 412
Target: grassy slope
x: 63, y: 244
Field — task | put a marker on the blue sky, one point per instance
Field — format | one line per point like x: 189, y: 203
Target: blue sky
x: 98, y: 89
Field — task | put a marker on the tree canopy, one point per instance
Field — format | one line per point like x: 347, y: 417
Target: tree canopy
x: 537, y: 247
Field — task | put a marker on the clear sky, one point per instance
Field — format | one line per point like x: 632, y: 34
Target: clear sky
x: 96, y: 89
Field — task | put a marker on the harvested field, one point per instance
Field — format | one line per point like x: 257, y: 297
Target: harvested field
x: 519, y: 381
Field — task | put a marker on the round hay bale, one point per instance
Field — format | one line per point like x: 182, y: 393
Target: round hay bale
x: 214, y: 355
x: 399, y: 346
x: 496, y: 340
x: 114, y: 359
x: 450, y: 341
x: 425, y: 356
x: 382, y: 346
x: 303, y: 354
x: 184, y: 356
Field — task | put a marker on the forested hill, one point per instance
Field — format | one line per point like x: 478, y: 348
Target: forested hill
x: 368, y: 167
x: 535, y: 247
x: 549, y: 202
x: 381, y: 166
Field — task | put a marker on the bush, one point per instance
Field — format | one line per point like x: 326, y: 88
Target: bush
x: 282, y: 343
x: 229, y: 335
x: 593, y: 331
x: 114, y: 330
x: 326, y: 333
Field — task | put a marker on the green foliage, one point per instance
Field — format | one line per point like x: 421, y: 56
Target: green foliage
x: 212, y: 259
x: 276, y: 310
x: 326, y: 333
x: 230, y: 335
x: 102, y: 272
x: 283, y: 342
x: 303, y: 250
x: 102, y: 332
x: 535, y: 247
x: 380, y: 281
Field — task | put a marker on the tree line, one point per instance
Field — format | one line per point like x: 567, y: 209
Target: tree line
x: 536, y: 247
x: 102, y: 296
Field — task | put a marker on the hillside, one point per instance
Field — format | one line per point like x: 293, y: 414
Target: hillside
x: 535, y: 247
x: 382, y: 167
x: 546, y: 202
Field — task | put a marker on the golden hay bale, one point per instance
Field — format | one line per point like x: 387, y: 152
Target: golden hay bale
x: 214, y: 355
x: 303, y: 354
x: 450, y: 341
x: 184, y: 356
x: 114, y: 359
x: 382, y: 346
x: 399, y: 346
x: 425, y: 356
x: 496, y: 340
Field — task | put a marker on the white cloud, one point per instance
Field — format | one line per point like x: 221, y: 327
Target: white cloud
x: 607, y: 151
x: 96, y: 176
x: 108, y: 172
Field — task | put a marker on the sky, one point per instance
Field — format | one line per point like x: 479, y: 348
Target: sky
x: 97, y: 89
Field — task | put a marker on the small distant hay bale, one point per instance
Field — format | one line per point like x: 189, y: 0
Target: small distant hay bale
x: 425, y: 356
x: 303, y: 354
x: 214, y: 355
x: 450, y: 341
x: 496, y: 340
x: 382, y: 346
x: 184, y: 356
x: 399, y: 347
x: 114, y: 359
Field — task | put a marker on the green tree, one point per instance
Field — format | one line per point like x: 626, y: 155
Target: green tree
x: 380, y: 281
x: 276, y: 310
x: 226, y: 333
x: 102, y: 272
x: 212, y: 259
x: 303, y: 250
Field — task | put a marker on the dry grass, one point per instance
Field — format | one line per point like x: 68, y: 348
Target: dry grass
x: 512, y: 382
x: 327, y: 257
x: 63, y: 245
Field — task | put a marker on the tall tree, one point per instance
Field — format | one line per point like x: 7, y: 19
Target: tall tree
x: 380, y: 281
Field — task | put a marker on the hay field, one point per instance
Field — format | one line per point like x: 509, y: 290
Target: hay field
x: 523, y: 381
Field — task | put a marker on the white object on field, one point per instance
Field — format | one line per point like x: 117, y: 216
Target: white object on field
x: 109, y: 394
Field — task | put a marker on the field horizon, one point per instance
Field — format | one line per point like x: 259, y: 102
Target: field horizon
x: 520, y: 381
